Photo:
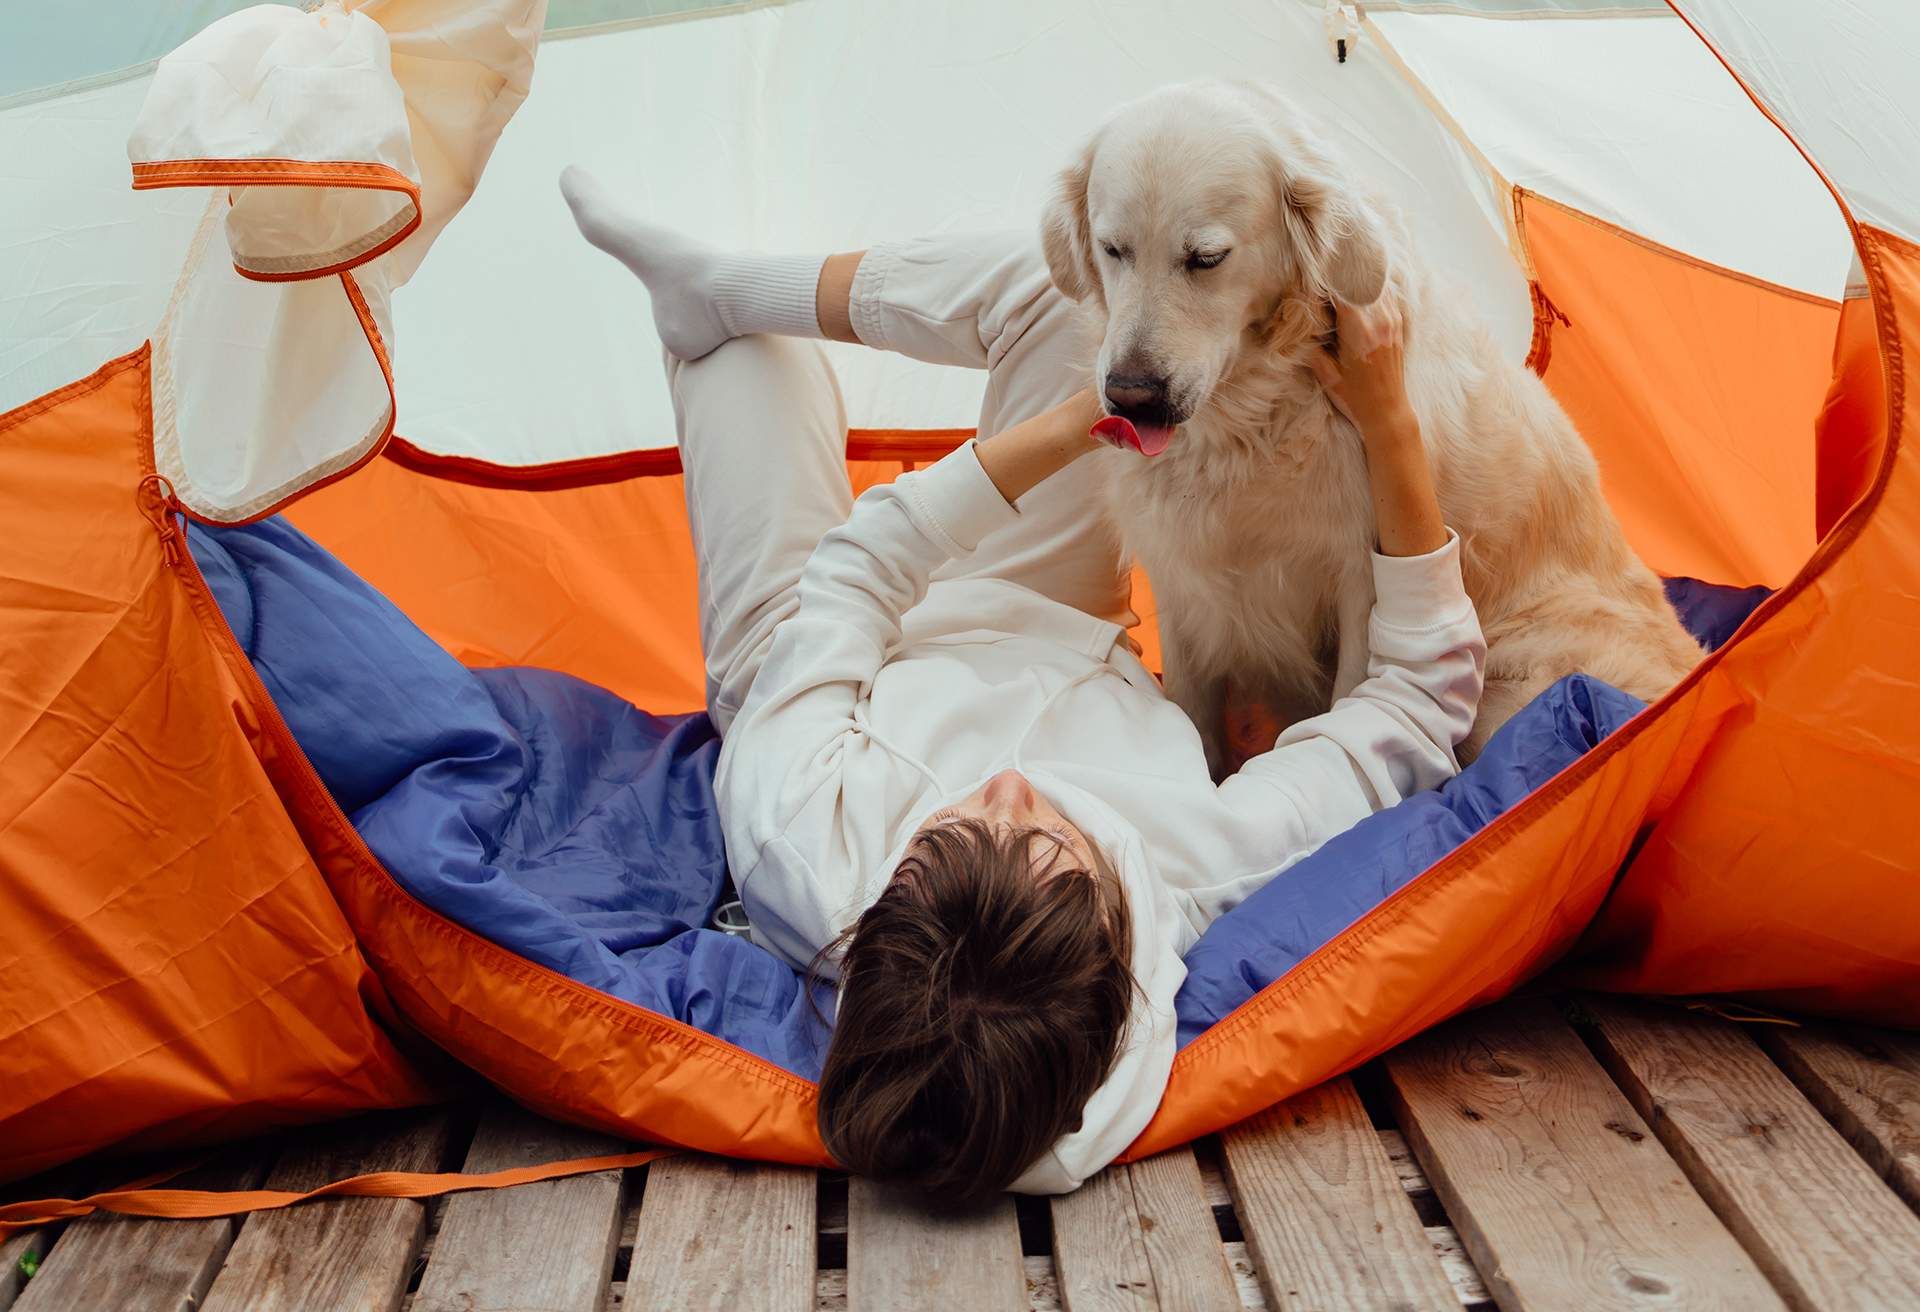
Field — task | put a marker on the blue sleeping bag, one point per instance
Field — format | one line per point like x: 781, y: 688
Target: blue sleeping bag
x: 580, y: 833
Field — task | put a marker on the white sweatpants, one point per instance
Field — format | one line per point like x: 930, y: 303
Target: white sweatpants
x: 763, y: 441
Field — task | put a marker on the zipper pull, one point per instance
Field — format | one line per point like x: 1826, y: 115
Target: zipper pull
x: 1544, y: 310
x: 158, y: 503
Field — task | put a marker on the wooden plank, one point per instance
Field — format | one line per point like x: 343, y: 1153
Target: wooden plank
x: 1182, y: 1239
x: 1562, y: 1195
x: 1867, y: 1083
x: 1099, y: 1248
x: 106, y: 1261
x: 28, y: 1245
x: 1468, y: 1288
x: 901, y: 1256
x: 544, y: 1247
x: 1814, y: 1215
x: 724, y: 1235
x: 1324, y: 1214
x: 350, y: 1254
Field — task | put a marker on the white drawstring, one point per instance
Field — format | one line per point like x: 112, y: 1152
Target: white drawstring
x: 1020, y: 743
x: 860, y: 718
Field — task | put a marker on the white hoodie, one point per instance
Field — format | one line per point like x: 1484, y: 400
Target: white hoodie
x: 882, y: 700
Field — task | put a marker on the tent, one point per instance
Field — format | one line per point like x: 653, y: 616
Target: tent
x: 447, y: 483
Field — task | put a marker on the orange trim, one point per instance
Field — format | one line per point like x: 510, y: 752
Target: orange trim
x: 1546, y: 313
x: 378, y: 346
x: 287, y: 173
x: 910, y: 444
x: 903, y: 444
x: 552, y: 476
x: 184, y: 1203
x: 270, y: 172
x: 303, y: 275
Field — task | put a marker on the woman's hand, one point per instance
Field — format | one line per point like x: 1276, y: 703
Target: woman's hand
x: 1367, y: 383
x: 1020, y: 458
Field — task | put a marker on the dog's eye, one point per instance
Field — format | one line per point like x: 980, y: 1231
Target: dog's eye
x: 1206, y: 259
x: 1113, y: 252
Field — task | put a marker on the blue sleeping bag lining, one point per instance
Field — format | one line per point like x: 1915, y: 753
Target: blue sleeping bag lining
x: 555, y: 819
x: 532, y: 808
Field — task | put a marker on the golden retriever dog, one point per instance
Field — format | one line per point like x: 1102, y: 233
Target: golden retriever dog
x: 1205, y: 229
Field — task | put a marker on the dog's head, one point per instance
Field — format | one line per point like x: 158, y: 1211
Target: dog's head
x: 1190, y: 218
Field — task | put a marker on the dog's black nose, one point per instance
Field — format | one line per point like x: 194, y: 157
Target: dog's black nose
x: 1129, y: 394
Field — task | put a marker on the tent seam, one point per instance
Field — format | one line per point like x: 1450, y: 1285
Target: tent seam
x: 1673, y: 253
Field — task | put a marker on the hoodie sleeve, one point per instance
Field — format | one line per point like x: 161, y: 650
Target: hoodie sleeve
x: 1393, y: 736
x: 794, y: 827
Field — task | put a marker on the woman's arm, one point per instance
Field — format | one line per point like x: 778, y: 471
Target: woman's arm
x: 1367, y: 383
x: 1020, y: 458
x: 1394, y: 735
x: 799, y: 735
x: 869, y: 571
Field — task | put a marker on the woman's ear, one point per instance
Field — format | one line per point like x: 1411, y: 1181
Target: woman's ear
x: 1335, y: 234
x: 1064, y: 234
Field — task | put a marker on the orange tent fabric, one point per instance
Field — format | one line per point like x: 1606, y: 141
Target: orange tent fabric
x: 199, y: 944
x: 1695, y: 388
x: 1786, y: 866
x: 163, y: 914
x: 598, y: 562
x: 1705, y: 798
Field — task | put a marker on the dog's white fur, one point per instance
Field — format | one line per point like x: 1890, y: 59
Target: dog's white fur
x: 1256, y: 525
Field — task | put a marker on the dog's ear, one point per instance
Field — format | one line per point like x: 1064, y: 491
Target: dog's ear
x: 1336, y: 234
x: 1064, y: 233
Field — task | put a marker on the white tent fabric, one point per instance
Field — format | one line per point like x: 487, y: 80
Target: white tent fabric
x: 828, y: 124
x: 86, y: 262
x: 1636, y: 123
x: 1825, y: 71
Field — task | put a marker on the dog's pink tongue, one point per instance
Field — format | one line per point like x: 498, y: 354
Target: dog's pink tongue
x: 1118, y: 431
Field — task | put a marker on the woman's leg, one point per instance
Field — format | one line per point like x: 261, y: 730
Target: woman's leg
x: 763, y: 442
x: 982, y: 301
x: 987, y: 301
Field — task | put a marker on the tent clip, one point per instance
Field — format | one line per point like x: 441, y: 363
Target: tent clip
x: 1342, y: 23
x: 160, y: 514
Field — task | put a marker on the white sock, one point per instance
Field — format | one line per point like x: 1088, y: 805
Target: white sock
x: 701, y: 296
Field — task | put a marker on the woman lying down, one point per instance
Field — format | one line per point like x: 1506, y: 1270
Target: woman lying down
x: 947, y: 779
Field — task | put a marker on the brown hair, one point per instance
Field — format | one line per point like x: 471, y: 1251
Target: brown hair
x: 983, y: 999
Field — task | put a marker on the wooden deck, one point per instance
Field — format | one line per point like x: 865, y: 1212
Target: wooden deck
x: 1547, y: 1154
